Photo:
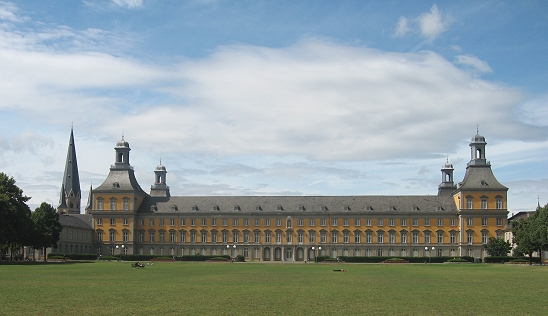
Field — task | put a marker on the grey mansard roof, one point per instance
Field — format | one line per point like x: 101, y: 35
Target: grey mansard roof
x: 480, y: 178
x: 82, y: 221
x: 120, y: 179
x: 301, y: 204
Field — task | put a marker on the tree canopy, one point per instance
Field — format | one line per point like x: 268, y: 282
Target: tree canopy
x: 497, y: 247
x: 531, y: 234
x: 15, y: 216
x: 47, y: 226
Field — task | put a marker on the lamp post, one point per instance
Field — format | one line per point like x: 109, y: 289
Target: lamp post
x: 121, y: 249
x: 429, y: 252
x: 229, y: 251
x: 314, y: 250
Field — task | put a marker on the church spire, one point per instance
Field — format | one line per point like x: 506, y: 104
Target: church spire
x: 71, y: 181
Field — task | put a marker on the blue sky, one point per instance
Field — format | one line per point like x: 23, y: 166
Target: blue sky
x: 275, y: 97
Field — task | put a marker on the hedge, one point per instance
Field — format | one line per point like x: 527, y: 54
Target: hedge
x: 409, y: 259
x: 507, y: 259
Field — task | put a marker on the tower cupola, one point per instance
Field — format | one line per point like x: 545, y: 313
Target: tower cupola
x: 122, y: 154
x: 447, y: 183
x: 477, y: 151
x: 160, y: 188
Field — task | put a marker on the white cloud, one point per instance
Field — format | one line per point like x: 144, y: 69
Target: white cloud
x: 402, y: 27
x: 8, y: 12
x: 429, y: 25
x: 432, y: 23
x: 473, y: 62
x: 128, y: 3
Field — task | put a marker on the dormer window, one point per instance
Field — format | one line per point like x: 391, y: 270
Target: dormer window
x: 237, y: 208
x: 369, y: 208
x: 174, y: 208
x: 347, y: 208
x: 279, y: 208
x: 258, y: 208
x: 301, y: 208
x: 216, y: 208
x: 392, y: 208
x: 324, y: 208
x: 415, y: 208
x: 195, y: 208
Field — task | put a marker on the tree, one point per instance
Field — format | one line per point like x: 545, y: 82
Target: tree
x: 15, y: 223
x: 47, y: 226
x: 531, y: 234
x: 497, y: 247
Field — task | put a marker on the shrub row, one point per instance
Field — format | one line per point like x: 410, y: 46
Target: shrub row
x: 507, y: 259
x: 409, y: 259
x: 72, y: 256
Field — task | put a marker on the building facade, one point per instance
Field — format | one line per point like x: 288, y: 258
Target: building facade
x: 457, y: 221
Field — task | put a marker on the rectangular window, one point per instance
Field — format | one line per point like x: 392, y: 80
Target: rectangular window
x: 141, y: 237
x: 470, y: 221
x: 452, y: 237
x: 183, y: 237
x: 499, y: 221
x: 391, y: 222
x: 357, y: 222
x: 426, y: 222
x: 278, y: 237
x: 380, y: 222
x: 278, y: 222
x: 426, y: 237
x: 380, y: 237
x: 151, y: 222
x: 415, y: 236
x: 183, y: 222
x: 162, y: 222
x: 172, y: 237
x: 289, y: 238
x: 440, y: 222
x: 257, y: 237
x: 204, y: 222
x: 126, y: 205
x: 162, y: 237
x: 300, y: 222
x: 267, y: 237
x: 403, y: 222
x: 235, y: 222
x: 100, y: 205
x: 469, y: 203
x: 403, y: 237
x: 368, y: 237
x: 469, y: 238
x: 99, y: 236
x: 214, y: 237
x: 312, y: 237
x: 225, y: 222
x: 453, y: 222
x: 440, y: 238
x: 203, y: 237
x: 112, y: 221
x: 368, y: 222
x: 392, y: 237
x: 192, y: 222
x: 234, y: 237
x: 323, y: 237
x: 415, y: 222
x: 125, y: 236
x: 113, y: 205
x: 311, y: 222
x: 246, y: 237
x: 323, y: 222
x: 357, y: 237
x: 498, y: 203
x: 300, y: 237
x: 484, y: 222
x: 225, y: 237
x: 484, y: 204
x: 484, y: 238
x: 345, y: 222
x: 151, y: 236
x: 213, y: 222
x: 257, y: 222
x: 334, y: 237
x: 346, y: 237
x: 172, y: 222
x: 192, y: 237
x: 267, y: 222
x: 246, y: 221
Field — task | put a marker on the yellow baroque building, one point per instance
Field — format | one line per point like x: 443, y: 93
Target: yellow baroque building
x: 457, y: 221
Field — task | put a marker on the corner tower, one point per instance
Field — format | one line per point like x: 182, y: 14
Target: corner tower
x: 70, y: 195
x: 447, y: 186
x: 482, y: 202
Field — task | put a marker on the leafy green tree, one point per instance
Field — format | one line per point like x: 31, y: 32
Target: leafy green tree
x: 15, y: 223
x: 531, y: 234
x: 47, y: 226
x: 497, y: 247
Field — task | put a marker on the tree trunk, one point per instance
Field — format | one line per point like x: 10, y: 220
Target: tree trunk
x: 45, y: 255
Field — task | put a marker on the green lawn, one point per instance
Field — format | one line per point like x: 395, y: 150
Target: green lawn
x: 186, y: 288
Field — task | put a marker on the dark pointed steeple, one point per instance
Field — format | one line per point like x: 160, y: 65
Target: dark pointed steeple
x: 71, y: 180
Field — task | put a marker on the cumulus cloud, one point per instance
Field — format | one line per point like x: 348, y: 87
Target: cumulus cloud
x: 473, y: 62
x: 402, y: 27
x: 9, y: 12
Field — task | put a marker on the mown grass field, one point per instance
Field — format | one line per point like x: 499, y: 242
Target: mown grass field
x: 186, y: 288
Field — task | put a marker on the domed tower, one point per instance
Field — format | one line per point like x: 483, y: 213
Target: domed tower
x: 122, y: 154
x: 447, y: 185
x: 159, y: 188
x: 477, y: 150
